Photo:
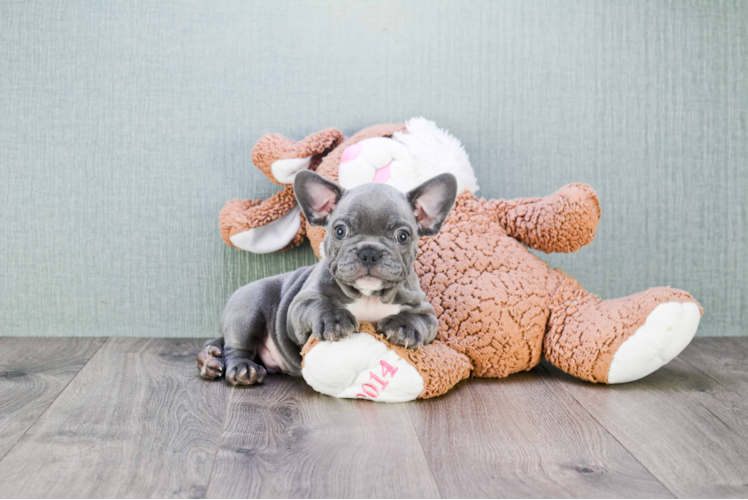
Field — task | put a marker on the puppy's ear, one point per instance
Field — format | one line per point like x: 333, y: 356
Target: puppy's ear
x: 316, y: 196
x: 432, y: 202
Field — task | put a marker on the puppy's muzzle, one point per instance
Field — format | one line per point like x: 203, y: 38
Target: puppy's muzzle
x: 369, y: 257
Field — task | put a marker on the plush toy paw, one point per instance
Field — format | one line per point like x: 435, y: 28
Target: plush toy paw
x: 667, y: 330
x: 361, y: 367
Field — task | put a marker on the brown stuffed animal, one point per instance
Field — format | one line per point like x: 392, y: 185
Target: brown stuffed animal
x: 500, y: 308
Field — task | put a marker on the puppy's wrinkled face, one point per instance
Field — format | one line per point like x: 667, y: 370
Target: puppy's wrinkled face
x: 373, y: 229
x: 372, y: 238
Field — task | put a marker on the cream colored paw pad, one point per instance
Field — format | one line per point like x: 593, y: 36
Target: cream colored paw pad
x: 667, y: 330
x: 361, y: 367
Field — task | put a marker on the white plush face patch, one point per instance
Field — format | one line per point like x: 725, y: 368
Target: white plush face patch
x: 373, y: 160
x: 407, y: 160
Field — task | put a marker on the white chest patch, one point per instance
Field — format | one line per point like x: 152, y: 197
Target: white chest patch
x: 371, y: 309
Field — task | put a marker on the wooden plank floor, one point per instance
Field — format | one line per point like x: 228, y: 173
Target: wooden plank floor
x: 131, y: 418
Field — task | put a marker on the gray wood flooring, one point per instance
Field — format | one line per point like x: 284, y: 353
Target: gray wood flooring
x: 126, y: 417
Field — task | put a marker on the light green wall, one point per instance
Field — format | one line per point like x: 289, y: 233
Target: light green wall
x: 125, y: 126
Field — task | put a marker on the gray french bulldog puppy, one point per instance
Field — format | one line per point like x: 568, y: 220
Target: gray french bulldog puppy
x: 366, y: 275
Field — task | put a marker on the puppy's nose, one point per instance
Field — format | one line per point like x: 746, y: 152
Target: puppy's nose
x: 369, y: 256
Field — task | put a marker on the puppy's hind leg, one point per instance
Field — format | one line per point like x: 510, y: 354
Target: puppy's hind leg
x: 210, y: 359
x: 245, y: 322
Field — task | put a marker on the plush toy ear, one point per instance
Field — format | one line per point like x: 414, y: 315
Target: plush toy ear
x: 281, y: 158
x: 432, y: 202
x: 316, y: 196
x: 263, y: 226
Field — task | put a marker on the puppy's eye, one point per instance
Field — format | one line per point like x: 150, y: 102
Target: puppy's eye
x: 341, y: 232
x: 402, y: 237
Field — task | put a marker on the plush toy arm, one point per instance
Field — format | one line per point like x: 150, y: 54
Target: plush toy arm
x: 263, y: 226
x: 562, y: 222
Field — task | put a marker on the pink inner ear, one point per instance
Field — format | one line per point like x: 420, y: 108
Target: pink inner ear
x: 383, y: 174
x: 325, y: 209
x: 323, y: 205
x: 423, y: 217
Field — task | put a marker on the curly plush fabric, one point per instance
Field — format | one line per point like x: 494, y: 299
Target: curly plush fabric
x: 233, y: 216
x: 584, y: 332
x: 273, y: 147
x: 562, y: 222
x: 241, y: 215
x: 238, y: 216
x: 500, y: 308
x: 491, y: 301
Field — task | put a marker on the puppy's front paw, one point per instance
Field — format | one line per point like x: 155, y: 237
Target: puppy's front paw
x: 334, y: 325
x: 403, y: 330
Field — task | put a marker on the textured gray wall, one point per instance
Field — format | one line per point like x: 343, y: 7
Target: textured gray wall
x: 125, y: 126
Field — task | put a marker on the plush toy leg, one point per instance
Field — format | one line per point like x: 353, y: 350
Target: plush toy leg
x: 619, y: 340
x: 366, y: 366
